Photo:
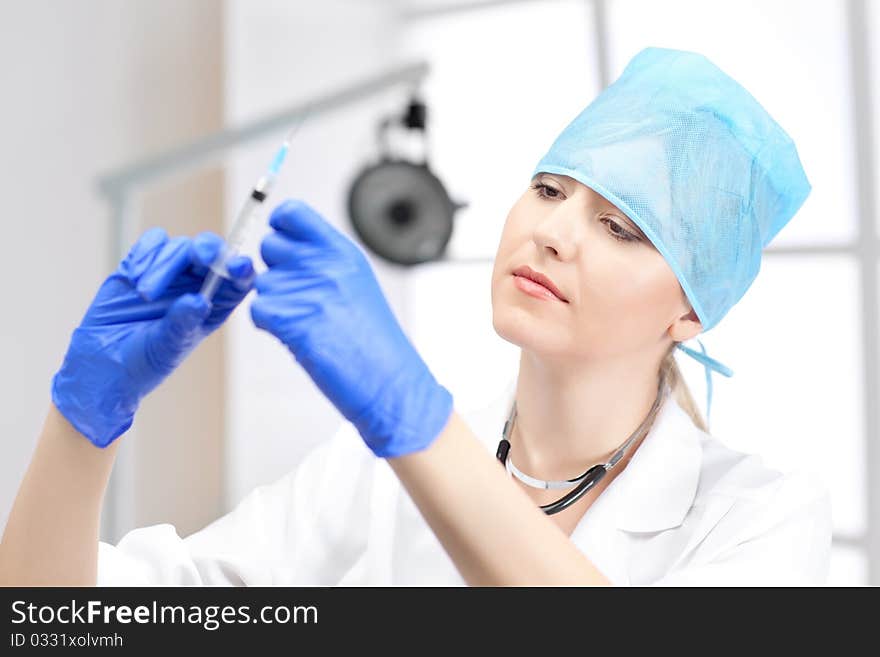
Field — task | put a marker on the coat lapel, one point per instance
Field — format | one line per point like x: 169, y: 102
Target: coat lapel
x: 654, y: 493
x: 658, y: 487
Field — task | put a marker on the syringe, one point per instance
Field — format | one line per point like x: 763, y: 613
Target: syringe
x: 243, y: 221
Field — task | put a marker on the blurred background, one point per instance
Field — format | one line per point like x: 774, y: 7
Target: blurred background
x: 118, y: 116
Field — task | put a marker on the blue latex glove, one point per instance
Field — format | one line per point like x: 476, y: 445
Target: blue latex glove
x: 146, y: 317
x: 321, y: 298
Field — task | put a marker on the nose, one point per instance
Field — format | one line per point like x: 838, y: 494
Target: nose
x: 559, y: 231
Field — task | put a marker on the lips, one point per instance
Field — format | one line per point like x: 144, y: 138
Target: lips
x: 527, y: 272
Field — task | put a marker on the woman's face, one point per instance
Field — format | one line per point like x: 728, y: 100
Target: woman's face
x: 620, y: 294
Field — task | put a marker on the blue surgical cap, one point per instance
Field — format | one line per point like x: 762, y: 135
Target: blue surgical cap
x: 695, y: 161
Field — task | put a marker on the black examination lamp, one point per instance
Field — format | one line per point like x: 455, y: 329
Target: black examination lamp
x: 399, y: 209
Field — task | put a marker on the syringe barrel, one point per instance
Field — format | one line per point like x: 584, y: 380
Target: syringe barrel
x: 212, y: 282
x: 234, y: 242
x: 240, y: 230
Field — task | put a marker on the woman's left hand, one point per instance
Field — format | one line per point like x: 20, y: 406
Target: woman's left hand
x: 321, y: 298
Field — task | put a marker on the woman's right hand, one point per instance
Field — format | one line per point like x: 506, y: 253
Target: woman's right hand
x: 145, y: 319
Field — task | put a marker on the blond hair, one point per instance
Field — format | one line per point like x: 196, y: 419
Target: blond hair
x: 679, y: 389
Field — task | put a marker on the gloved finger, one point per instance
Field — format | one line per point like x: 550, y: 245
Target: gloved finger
x: 207, y: 246
x: 276, y: 249
x: 279, y: 250
x: 128, y: 309
x: 177, y: 332
x: 141, y: 254
x: 281, y: 283
x: 299, y: 221
x: 175, y: 256
x: 241, y: 269
x: 232, y: 290
x: 281, y: 318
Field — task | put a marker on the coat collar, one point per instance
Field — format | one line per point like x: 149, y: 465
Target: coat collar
x: 656, y: 489
x: 658, y: 486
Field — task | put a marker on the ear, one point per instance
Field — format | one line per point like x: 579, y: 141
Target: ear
x: 685, y: 327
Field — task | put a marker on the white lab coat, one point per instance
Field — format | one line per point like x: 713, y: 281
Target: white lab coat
x: 687, y: 510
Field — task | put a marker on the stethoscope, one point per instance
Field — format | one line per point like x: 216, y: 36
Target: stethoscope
x: 588, y: 479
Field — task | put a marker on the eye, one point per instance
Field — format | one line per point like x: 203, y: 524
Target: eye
x: 545, y: 191
x: 618, y: 232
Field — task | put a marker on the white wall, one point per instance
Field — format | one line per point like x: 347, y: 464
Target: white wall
x: 88, y: 86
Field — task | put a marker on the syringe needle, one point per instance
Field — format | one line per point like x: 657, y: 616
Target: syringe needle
x: 246, y: 215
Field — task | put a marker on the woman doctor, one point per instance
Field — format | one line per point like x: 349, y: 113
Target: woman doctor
x: 642, y: 226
